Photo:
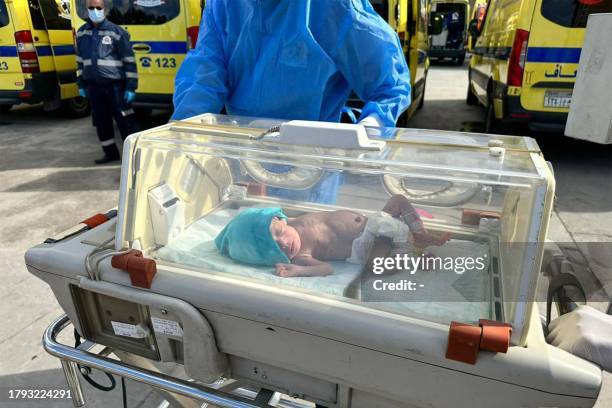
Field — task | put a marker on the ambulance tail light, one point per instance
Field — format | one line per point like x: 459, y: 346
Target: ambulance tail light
x: 27, y: 52
x: 518, y: 56
x: 192, y: 37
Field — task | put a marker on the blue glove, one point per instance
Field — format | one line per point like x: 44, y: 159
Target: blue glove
x: 129, y: 96
x: 82, y: 93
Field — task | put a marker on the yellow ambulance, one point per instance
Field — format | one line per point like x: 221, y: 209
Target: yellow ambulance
x: 161, y: 31
x: 409, y: 18
x: 37, y: 59
x: 525, y: 60
x: 451, y: 41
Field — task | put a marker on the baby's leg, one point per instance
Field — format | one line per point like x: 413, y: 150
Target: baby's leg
x: 400, y: 207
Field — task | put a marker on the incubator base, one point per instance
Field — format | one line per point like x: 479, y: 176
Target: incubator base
x: 336, y: 354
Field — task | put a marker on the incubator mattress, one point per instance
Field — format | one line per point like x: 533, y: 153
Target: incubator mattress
x: 195, y: 247
x: 445, y: 295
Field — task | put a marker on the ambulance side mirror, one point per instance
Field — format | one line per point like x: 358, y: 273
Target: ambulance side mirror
x: 435, y: 24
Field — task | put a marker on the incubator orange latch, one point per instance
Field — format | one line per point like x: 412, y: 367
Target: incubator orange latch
x: 495, y: 336
x: 95, y: 220
x: 465, y: 340
x: 141, y: 269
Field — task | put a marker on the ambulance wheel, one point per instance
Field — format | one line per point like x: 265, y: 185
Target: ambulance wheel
x: 471, y: 97
x: 142, y: 112
x: 422, y: 101
x: 5, y: 108
x: 492, y: 124
x: 76, y: 107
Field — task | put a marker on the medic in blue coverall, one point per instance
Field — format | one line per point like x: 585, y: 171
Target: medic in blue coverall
x: 106, y: 74
x: 295, y: 59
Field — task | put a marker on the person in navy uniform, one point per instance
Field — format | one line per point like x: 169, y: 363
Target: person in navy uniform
x: 106, y: 74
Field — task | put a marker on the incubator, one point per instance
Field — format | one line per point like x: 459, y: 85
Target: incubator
x: 151, y: 284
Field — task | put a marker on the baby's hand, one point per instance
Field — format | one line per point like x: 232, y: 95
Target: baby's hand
x: 288, y: 270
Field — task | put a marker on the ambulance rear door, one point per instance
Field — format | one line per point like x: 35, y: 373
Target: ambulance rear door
x: 56, y: 15
x: 554, y: 43
x: 11, y: 76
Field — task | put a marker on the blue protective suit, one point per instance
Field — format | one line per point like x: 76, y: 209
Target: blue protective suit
x: 293, y: 59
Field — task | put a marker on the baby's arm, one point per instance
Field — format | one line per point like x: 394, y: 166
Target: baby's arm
x: 304, y: 265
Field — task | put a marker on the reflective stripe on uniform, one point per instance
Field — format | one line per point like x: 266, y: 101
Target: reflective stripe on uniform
x: 79, y: 72
x: 131, y: 75
x: 84, y: 32
x: 79, y: 59
x: 110, y: 34
x: 107, y: 142
x: 109, y: 63
x: 127, y: 112
x: 129, y: 59
x: 86, y: 62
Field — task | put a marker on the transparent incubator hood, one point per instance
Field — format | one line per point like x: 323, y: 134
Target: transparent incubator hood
x: 486, y: 198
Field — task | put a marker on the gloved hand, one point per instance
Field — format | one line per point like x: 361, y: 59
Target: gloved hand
x: 371, y: 120
x: 586, y: 333
x: 129, y: 96
x: 82, y: 93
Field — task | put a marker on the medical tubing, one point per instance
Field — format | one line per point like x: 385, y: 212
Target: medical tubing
x: 113, y: 383
x: 123, y: 393
x: 108, y: 255
x: 93, y: 271
x: 96, y: 250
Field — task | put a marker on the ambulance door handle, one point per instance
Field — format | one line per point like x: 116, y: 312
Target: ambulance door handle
x: 144, y: 48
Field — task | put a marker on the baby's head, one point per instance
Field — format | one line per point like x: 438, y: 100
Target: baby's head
x: 259, y: 236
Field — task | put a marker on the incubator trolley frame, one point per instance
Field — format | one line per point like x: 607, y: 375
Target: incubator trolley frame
x: 71, y: 357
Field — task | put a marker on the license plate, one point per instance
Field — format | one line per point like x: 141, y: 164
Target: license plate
x: 555, y: 99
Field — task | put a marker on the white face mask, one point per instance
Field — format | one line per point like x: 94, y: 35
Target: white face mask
x: 96, y: 16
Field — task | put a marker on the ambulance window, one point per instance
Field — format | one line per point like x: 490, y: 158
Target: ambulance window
x: 136, y: 12
x: 4, y: 18
x: 573, y: 13
x: 423, y: 16
x: 56, y: 14
x: 38, y: 22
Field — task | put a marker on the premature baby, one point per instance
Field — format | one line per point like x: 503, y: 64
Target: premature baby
x: 300, y: 246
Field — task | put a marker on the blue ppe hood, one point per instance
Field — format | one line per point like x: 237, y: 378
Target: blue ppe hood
x: 247, y: 238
